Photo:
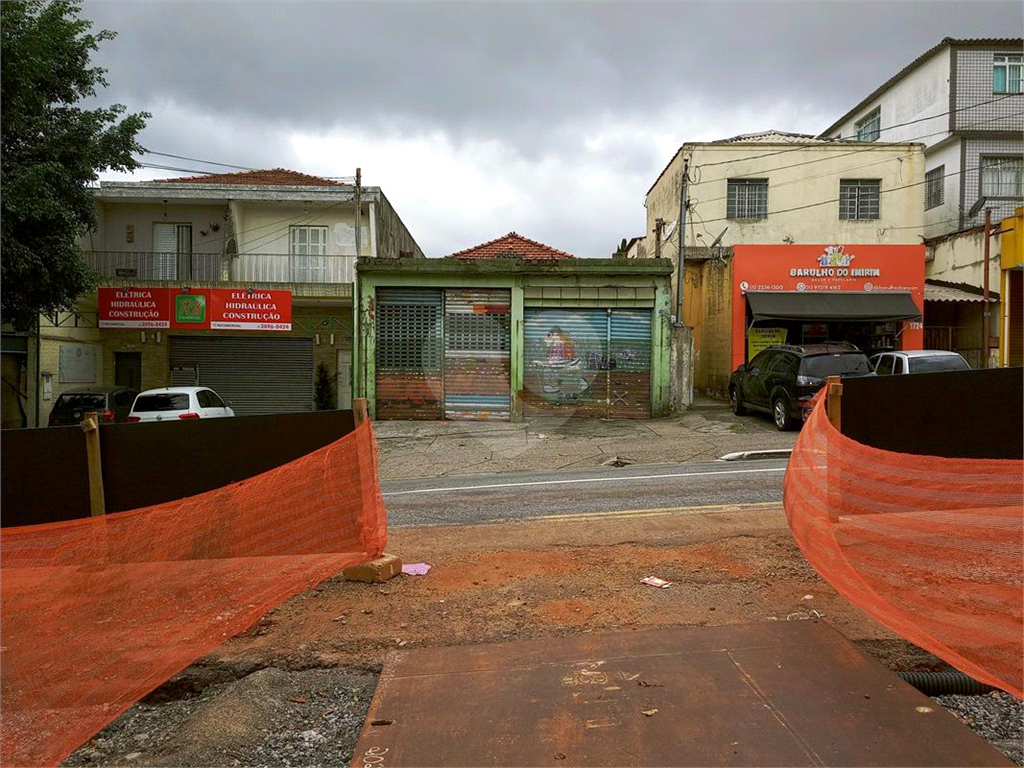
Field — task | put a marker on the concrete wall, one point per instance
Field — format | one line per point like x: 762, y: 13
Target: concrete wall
x: 265, y: 226
x: 960, y: 258
x: 393, y: 238
x: 945, y: 217
x: 114, y: 221
x: 923, y: 93
x: 803, y: 192
x: 709, y: 312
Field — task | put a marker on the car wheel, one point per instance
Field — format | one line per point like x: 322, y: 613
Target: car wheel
x: 734, y: 400
x: 780, y: 415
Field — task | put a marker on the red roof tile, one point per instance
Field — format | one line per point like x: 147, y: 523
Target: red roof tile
x: 511, y: 246
x: 272, y: 177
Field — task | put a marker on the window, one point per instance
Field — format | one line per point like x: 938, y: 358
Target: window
x: 1002, y: 176
x: 747, y: 199
x: 858, y: 198
x: 869, y: 128
x: 308, y: 249
x: 884, y: 367
x: 1006, y: 71
x: 935, y: 187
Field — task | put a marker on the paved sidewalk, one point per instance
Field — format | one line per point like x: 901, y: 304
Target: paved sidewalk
x: 707, y: 431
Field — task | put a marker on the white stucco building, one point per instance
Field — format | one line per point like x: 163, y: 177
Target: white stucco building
x: 963, y: 100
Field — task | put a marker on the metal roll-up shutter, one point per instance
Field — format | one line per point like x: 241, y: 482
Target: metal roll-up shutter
x: 477, y: 346
x: 409, y: 355
x: 629, y: 374
x: 259, y: 375
x: 565, y: 353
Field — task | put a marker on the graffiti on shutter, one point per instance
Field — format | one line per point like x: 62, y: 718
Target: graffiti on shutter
x: 587, y: 362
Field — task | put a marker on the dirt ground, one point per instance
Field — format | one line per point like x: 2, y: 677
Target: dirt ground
x: 554, y: 577
x: 491, y: 583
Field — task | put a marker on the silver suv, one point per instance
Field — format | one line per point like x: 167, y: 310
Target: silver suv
x: 917, y: 361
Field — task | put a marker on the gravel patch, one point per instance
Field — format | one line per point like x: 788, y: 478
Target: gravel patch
x: 998, y: 717
x: 275, y: 717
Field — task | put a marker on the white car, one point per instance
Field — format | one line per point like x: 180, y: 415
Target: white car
x: 173, y: 403
x: 917, y: 361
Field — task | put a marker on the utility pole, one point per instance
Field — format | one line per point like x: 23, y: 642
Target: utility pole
x: 359, y: 210
x: 659, y: 225
x: 681, y: 230
x: 986, y: 310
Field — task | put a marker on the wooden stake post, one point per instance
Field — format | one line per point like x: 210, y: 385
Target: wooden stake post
x: 359, y: 410
x: 833, y: 401
x: 97, y: 502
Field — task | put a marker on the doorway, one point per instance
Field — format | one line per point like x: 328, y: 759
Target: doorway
x: 344, y: 379
x: 128, y: 370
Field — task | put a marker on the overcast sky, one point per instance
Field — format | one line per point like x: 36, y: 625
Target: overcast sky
x: 480, y: 118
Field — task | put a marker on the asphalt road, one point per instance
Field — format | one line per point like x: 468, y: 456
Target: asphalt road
x: 475, y: 499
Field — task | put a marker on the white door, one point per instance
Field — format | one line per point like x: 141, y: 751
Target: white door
x: 344, y: 379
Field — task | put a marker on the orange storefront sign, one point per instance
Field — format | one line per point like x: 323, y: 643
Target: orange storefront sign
x: 810, y: 268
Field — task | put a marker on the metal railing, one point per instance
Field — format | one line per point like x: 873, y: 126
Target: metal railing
x: 246, y: 267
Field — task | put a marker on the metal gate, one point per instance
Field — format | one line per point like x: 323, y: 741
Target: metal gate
x: 409, y: 354
x: 587, y: 362
x: 477, y: 346
x: 259, y: 375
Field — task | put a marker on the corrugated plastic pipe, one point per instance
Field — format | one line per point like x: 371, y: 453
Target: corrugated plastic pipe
x: 945, y: 683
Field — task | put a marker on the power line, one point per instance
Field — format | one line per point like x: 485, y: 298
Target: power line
x: 868, y: 148
x: 196, y: 160
x: 881, y: 130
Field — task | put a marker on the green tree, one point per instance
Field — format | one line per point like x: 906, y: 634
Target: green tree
x: 52, y: 150
x: 323, y: 393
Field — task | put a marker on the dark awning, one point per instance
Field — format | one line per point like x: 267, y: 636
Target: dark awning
x: 832, y: 305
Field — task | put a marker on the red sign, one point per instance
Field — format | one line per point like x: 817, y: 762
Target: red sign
x: 251, y: 309
x: 864, y: 268
x: 197, y: 309
x: 133, y: 308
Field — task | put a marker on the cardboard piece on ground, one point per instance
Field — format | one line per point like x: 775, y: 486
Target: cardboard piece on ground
x: 416, y: 569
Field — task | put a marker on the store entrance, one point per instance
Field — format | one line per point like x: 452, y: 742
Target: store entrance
x: 869, y: 337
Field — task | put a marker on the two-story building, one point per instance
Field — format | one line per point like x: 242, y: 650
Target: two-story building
x: 242, y: 282
x: 963, y: 100
x: 789, y: 238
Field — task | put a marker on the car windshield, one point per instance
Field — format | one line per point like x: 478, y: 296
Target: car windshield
x: 938, y: 363
x: 81, y: 400
x: 165, y: 401
x: 840, y: 364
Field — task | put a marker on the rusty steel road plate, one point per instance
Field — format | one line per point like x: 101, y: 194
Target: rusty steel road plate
x: 778, y: 693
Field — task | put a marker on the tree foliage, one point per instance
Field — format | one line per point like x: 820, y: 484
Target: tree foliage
x: 52, y: 150
x: 323, y: 393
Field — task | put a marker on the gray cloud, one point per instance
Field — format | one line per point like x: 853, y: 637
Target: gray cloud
x: 570, y: 91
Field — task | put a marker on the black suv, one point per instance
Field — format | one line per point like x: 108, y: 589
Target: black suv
x: 782, y: 379
x: 110, y: 404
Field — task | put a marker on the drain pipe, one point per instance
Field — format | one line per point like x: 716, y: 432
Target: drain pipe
x: 945, y: 683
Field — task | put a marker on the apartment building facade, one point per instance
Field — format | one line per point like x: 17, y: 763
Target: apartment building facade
x: 242, y: 282
x: 825, y: 231
x: 963, y: 100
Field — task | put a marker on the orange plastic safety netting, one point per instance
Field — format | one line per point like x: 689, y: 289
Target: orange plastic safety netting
x: 96, y: 613
x: 930, y: 547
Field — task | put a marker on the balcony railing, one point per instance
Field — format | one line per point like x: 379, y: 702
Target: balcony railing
x: 242, y: 267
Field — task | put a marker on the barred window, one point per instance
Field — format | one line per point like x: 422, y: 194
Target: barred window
x: 870, y: 127
x: 1002, y: 176
x: 858, y: 198
x: 747, y: 199
x: 935, y: 187
x: 1006, y: 71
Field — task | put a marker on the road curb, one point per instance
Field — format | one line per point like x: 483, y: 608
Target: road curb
x: 780, y: 453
